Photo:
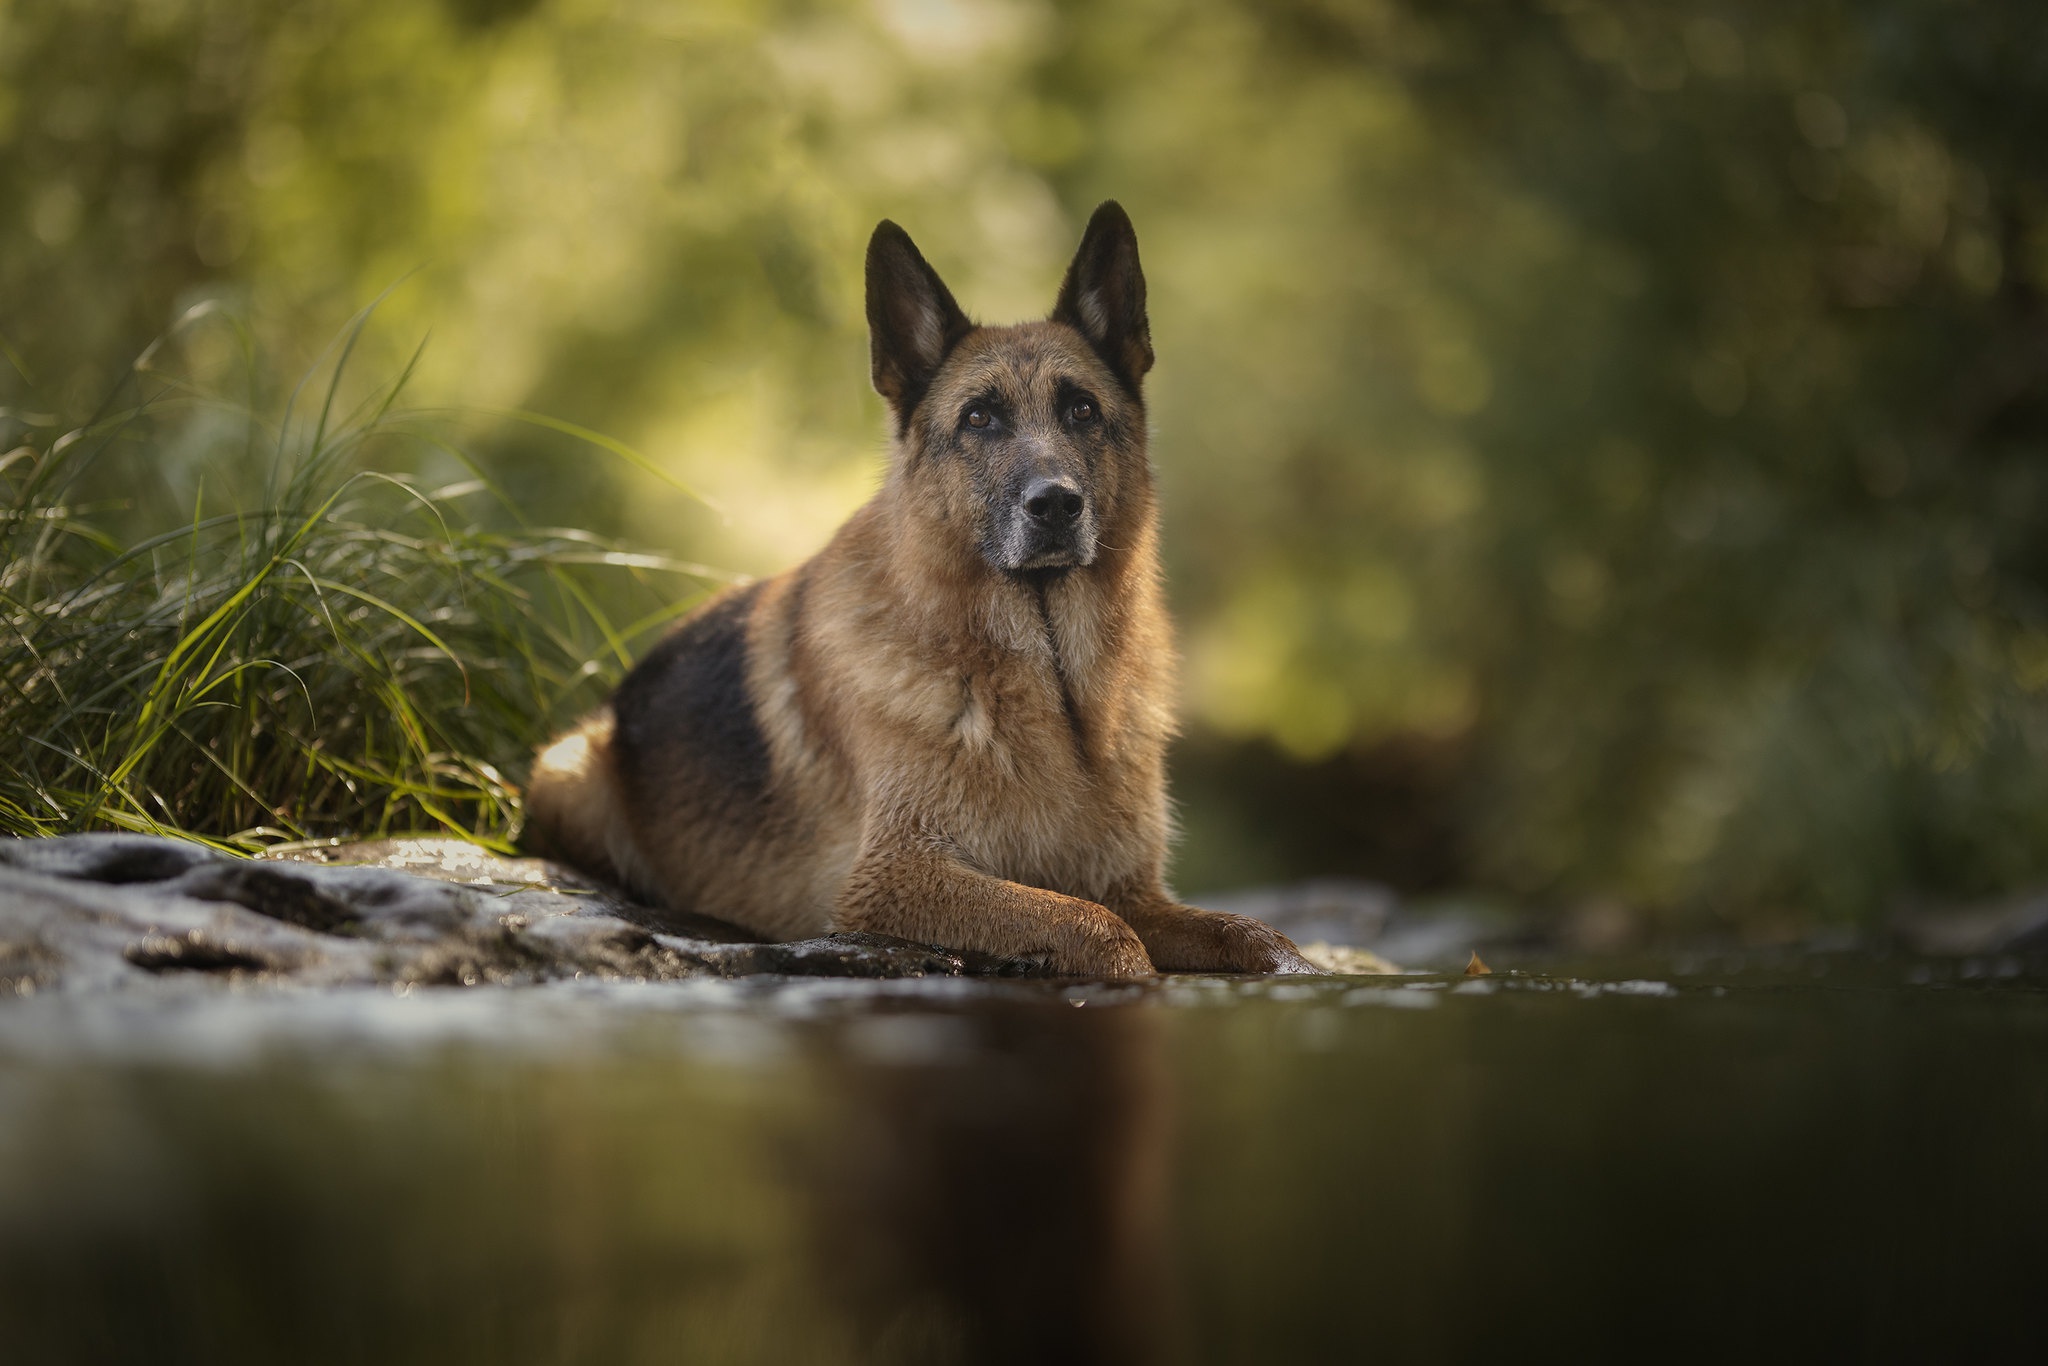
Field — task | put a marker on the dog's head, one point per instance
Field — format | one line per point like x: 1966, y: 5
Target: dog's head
x: 1025, y: 442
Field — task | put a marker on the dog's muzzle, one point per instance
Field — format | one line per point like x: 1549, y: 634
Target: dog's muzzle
x: 1050, y: 526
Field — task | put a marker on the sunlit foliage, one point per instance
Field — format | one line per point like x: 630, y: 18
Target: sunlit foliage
x: 315, y: 648
x: 1639, y: 407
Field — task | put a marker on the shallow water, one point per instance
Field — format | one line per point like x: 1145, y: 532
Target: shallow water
x: 1834, y: 1158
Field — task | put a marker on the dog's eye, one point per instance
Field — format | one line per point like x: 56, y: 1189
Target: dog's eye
x: 978, y: 417
x: 1083, y: 411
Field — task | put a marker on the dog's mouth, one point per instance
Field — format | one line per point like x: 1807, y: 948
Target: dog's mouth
x: 1023, y: 546
x: 1053, y: 559
x: 1032, y: 559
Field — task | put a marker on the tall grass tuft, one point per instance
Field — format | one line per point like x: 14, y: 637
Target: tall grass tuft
x: 325, y: 640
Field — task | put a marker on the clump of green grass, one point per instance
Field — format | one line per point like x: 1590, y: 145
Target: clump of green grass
x: 320, y: 644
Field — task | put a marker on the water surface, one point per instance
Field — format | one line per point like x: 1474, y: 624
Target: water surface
x: 1834, y: 1158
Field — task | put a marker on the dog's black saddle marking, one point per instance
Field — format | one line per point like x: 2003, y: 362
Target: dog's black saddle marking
x: 688, y: 699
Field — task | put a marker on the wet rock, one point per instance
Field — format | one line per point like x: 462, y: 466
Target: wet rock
x: 1351, y: 926
x: 91, y: 912
x: 1346, y: 960
x: 2017, y: 924
x: 835, y: 955
x: 458, y: 861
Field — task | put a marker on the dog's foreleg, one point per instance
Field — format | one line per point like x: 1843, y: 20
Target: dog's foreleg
x: 908, y: 884
x: 1183, y: 939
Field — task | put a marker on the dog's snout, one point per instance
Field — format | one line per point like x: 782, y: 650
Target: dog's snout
x: 1052, y: 502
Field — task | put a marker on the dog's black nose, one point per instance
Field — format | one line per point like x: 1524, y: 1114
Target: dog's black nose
x: 1052, y: 502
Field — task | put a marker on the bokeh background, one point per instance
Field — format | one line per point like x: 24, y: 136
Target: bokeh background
x: 1602, y: 442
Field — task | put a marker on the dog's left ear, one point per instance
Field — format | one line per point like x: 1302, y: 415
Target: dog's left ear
x: 912, y: 320
x: 1103, y: 297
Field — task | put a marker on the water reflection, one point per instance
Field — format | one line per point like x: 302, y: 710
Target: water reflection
x: 992, y: 1187
x: 1835, y: 1163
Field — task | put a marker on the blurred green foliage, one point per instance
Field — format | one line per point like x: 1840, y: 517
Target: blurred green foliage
x: 1635, y: 409
x: 265, y: 636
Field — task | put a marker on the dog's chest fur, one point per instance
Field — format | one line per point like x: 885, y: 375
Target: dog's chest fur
x: 1029, y: 732
x: 1035, y: 763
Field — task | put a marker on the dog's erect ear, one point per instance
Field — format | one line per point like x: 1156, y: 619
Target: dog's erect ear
x: 912, y: 319
x: 1103, y: 297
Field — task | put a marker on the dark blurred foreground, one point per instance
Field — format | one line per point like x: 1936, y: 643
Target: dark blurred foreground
x: 1804, y: 1157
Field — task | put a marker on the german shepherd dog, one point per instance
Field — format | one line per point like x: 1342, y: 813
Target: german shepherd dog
x: 950, y: 724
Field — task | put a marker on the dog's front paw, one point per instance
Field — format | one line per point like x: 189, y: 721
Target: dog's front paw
x: 1217, y: 941
x: 1258, y: 947
x: 1106, y: 949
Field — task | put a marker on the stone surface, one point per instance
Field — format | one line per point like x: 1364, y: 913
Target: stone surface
x: 112, y: 911
x: 1346, y: 960
x: 1356, y: 927
x: 2016, y: 924
x: 137, y: 912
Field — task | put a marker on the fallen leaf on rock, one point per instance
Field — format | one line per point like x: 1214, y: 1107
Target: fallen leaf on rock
x: 1477, y: 968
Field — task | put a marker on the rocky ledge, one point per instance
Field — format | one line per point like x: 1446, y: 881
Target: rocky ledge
x: 88, y: 912
x: 136, y: 911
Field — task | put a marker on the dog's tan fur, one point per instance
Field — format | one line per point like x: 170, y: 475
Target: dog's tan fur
x: 950, y: 724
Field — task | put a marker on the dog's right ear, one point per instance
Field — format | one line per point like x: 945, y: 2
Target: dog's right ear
x: 1103, y: 296
x: 912, y: 320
